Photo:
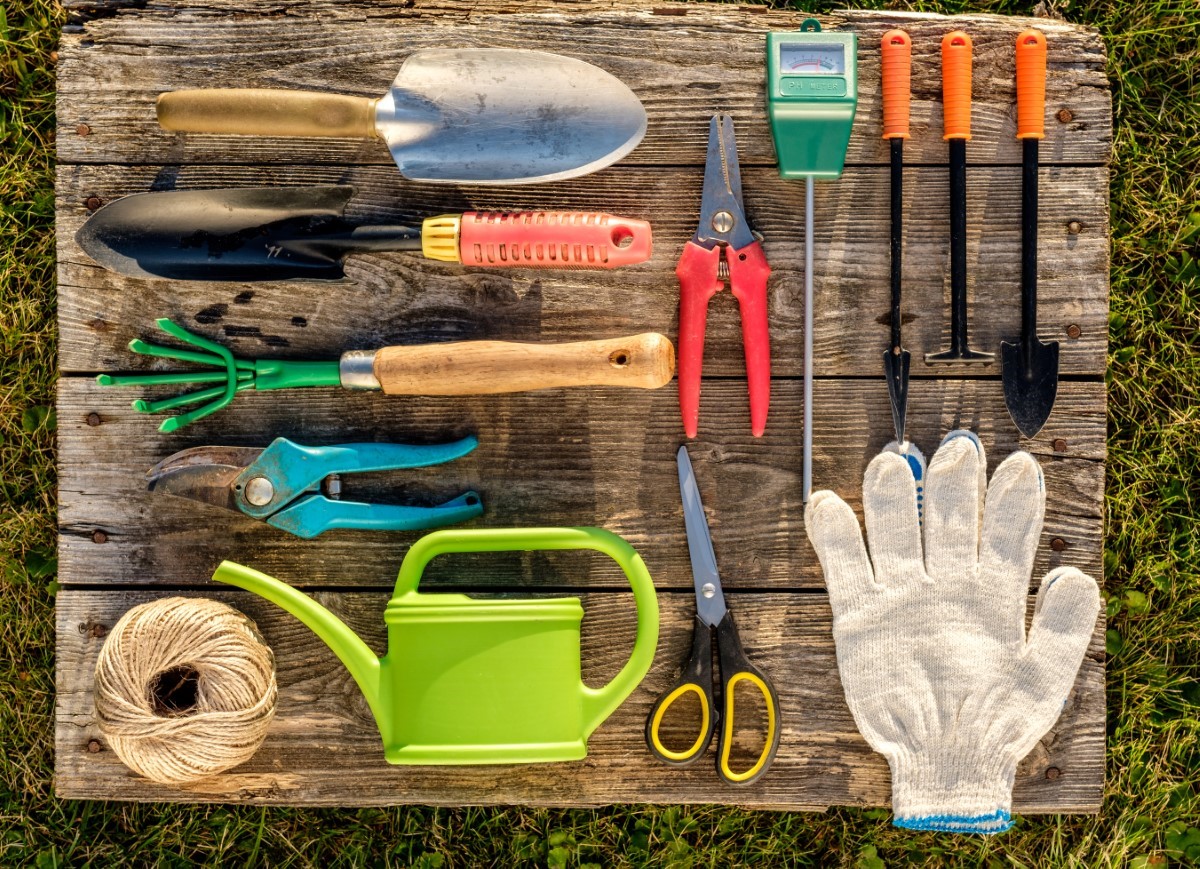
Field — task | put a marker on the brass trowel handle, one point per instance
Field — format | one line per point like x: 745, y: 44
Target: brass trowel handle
x: 262, y: 112
x: 645, y: 361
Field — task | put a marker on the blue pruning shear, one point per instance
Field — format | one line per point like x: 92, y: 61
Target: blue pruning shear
x: 298, y: 488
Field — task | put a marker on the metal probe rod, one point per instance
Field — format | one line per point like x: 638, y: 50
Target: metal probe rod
x: 808, y: 335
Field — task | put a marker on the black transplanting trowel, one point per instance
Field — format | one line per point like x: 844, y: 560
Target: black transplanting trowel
x: 277, y: 234
x: 1030, y: 368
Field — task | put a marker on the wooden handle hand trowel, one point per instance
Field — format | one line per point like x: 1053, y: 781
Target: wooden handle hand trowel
x: 460, y: 116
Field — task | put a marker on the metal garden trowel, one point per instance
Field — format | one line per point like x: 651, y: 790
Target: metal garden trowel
x: 456, y: 116
x: 277, y: 234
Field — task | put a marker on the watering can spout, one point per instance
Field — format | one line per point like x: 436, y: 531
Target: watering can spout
x: 353, y: 652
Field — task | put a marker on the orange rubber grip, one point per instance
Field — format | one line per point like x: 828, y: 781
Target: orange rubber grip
x: 553, y: 239
x: 956, y: 85
x: 897, y: 83
x: 1031, y: 85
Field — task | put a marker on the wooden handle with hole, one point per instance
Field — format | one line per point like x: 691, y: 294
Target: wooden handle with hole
x: 264, y: 112
x: 956, y: 85
x: 645, y: 361
x: 896, y: 80
x: 1031, y: 85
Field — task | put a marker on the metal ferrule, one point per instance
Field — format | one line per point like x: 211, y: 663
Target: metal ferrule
x: 357, y: 370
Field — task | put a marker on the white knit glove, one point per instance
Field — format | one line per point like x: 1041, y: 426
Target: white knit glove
x: 931, y: 647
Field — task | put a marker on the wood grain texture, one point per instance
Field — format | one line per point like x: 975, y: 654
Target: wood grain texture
x: 404, y: 299
x: 683, y: 66
x: 323, y: 748
x: 566, y: 457
x: 645, y: 361
x: 600, y: 457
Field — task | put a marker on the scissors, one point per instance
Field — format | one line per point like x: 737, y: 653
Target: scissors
x: 696, y: 676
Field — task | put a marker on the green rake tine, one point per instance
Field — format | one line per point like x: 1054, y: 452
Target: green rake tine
x: 166, y: 379
x: 178, y: 332
x: 137, y: 345
x: 142, y: 405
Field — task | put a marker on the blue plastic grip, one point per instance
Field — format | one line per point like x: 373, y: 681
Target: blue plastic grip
x: 316, y: 514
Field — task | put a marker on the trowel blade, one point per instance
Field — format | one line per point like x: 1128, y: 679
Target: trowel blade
x: 1030, y: 393
x: 217, y: 235
x: 506, y: 116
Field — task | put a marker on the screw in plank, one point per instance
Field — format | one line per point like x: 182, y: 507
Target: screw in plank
x: 1074, y: 331
x: 1053, y: 772
x: 99, y: 536
x: 1058, y: 544
x: 1065, y: 116
x: 93, y: 419
x: 93, y: 202
x: 1074, y: 227
x: 83, y: 130
x: 1060, y: 445
x: 94, y: 746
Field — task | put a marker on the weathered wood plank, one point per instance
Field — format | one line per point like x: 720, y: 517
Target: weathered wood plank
x: 604, y: 457
x: 323, y: 749
x: 398, y: 298
x: 685, y: 65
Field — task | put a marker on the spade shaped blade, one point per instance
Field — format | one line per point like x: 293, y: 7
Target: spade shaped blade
x: 895, y: 367
x: 1030, y: 384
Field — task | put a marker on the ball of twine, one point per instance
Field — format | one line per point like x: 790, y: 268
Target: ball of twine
x: 185, y: 689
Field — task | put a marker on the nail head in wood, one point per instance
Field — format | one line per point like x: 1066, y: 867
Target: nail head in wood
x: 1058, y: 544
x: 94, y: 746
x: 93, y: 202
x: 99, y: 537
x: 1065, y: 116
x: 1060, y: 445
x: 83, y: 130
x: 1074, y: 331
x: 93, y: 419
x: 1074, y: 227
x: 1053, y: 772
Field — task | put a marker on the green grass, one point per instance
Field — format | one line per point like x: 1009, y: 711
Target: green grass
x: 1152, y: 551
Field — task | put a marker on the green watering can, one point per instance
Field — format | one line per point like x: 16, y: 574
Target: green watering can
x: 469, y: 681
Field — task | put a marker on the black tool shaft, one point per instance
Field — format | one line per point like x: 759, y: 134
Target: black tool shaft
x: 361, y: 239
x: 958, y: 246
x: 1029, y: 221
x: 897, y: 146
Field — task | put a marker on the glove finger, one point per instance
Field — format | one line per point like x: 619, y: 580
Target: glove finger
x: 1064, y: 620
x: 1012, y: 525
x: 954, y: 494
x: 835, y: 535
x: 893, y: 526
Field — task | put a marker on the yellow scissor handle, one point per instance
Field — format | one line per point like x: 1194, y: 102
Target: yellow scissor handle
x: 772, y: 736
x: 660, y: 711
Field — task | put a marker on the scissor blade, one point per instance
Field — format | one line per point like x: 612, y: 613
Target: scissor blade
x: 710, y: 603
x: 204, y: 474
x: 722, y: 220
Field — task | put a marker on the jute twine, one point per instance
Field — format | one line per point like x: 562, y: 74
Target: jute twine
x: 185, y: 689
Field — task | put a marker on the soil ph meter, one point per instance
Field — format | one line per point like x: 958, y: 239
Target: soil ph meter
x: 812, y: 92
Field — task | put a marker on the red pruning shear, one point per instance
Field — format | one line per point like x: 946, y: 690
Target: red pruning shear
x: 703, y: 273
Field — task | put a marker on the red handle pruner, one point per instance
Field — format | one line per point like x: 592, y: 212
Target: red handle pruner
x: 723, y: 250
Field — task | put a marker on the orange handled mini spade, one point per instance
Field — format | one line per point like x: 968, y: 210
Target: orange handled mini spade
x: 1029, y: 367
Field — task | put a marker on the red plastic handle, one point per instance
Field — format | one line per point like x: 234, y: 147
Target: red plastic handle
x: 698, y: 282
x: 552, y: 239
x: 748, y: 273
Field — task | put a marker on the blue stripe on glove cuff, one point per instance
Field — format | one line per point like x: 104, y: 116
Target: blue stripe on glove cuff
x: 995, y: 822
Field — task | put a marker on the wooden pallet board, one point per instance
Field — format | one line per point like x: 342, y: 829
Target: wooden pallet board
x: 323, y: 748
x: 602, y: 457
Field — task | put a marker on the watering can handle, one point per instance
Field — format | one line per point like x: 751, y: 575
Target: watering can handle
x: 598, y: 703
